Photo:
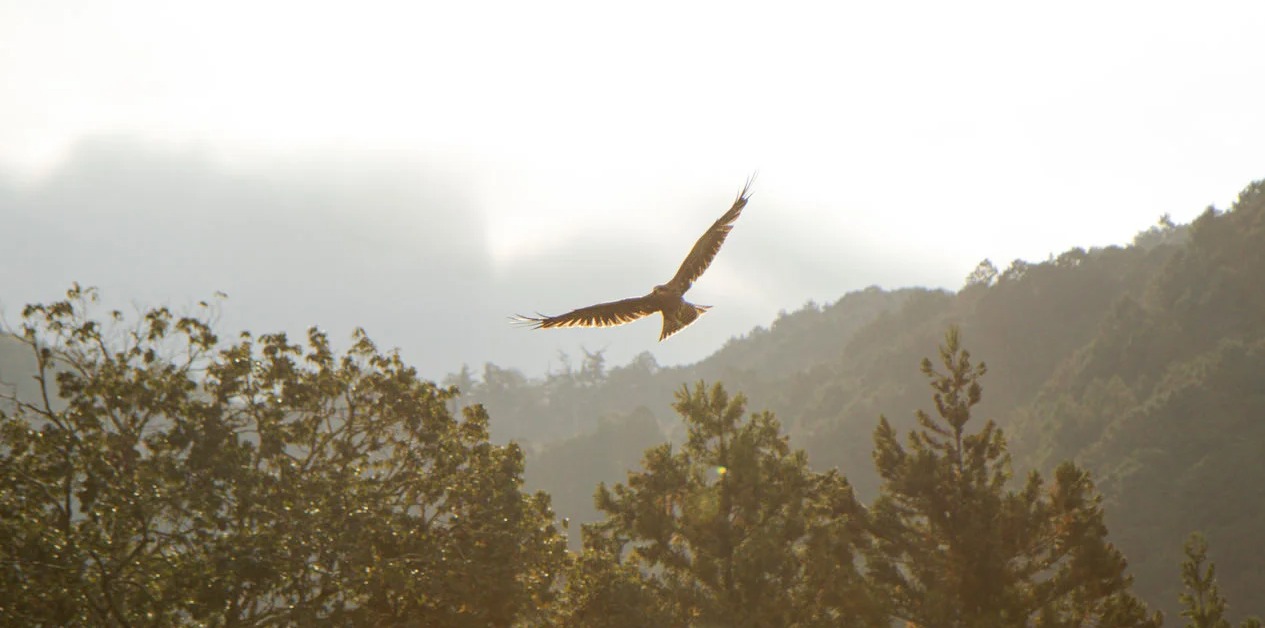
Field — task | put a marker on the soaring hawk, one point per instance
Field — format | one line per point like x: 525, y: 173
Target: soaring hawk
x: 666, y: 299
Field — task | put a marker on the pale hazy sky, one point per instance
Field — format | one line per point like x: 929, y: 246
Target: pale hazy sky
x: 433, y: 167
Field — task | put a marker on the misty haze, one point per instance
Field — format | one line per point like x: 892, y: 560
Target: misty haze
x: 983, y: 344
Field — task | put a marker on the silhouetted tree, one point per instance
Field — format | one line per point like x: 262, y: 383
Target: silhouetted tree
x: 984, y: 275
x: 162, y: 478
x: 955, y: 547
x: 731, y: 530
x: 1204, y: 607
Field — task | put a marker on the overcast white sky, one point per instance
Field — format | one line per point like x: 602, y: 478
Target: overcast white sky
x: 424, y: 169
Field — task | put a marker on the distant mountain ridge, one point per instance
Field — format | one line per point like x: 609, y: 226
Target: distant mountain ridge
x: 1142, y: 362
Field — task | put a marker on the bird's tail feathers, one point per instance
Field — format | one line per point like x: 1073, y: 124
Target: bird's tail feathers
x: 679, y: 319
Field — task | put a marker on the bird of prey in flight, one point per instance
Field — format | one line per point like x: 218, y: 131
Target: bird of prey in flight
x: 667, y: 299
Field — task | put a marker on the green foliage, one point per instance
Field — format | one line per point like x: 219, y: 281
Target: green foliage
x: 1085, y: 349
x: 732, y: 530
x: 984, y: 275
x: 955, y: 547
x: 1204, y: 607
x: 180, y: 480
x: 1196, y: 441
x: 603, y: 592
x: 1202, y: 599
x: 154, y: 474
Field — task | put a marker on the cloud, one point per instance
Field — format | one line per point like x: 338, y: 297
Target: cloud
x: 400, y: 243
x: 338, y: 241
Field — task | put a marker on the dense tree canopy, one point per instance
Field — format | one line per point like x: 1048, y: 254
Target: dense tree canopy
x: 1135, y: 361
x: 153, y: 473
x: 732, y: 529
x: 161, y: 478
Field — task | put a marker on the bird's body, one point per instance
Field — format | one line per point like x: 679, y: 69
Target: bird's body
x: 667, y: 299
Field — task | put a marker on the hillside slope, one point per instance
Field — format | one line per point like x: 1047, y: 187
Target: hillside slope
x: 1141, y: 362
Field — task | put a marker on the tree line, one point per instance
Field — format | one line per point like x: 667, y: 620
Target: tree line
x: 155, y: 474
x: 1138, y: 362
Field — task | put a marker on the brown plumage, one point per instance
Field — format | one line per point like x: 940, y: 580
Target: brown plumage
x: 667, y: 299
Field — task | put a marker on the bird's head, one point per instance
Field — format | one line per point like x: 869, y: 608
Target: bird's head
x: 660, y: 289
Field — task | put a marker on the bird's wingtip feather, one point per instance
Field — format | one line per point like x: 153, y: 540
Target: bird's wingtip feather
x: 746, y: 187
x: 527, y: 321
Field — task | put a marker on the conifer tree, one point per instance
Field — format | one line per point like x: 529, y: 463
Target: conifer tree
x: 733, y: 529
x: 1204, y: 606
x: 954, y: 546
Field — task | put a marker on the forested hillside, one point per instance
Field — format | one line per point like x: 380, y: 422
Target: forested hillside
x: 156, y: 474
x: 1142, y: 362
x: 182, y: 480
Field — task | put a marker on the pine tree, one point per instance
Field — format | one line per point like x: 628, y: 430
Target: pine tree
x: 733, y: 529
x: 954, y: 546
x: 1204, y: 606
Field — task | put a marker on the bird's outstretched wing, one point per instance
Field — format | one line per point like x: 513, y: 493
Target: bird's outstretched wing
x: 705, y: 249
x: 600, y: 315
